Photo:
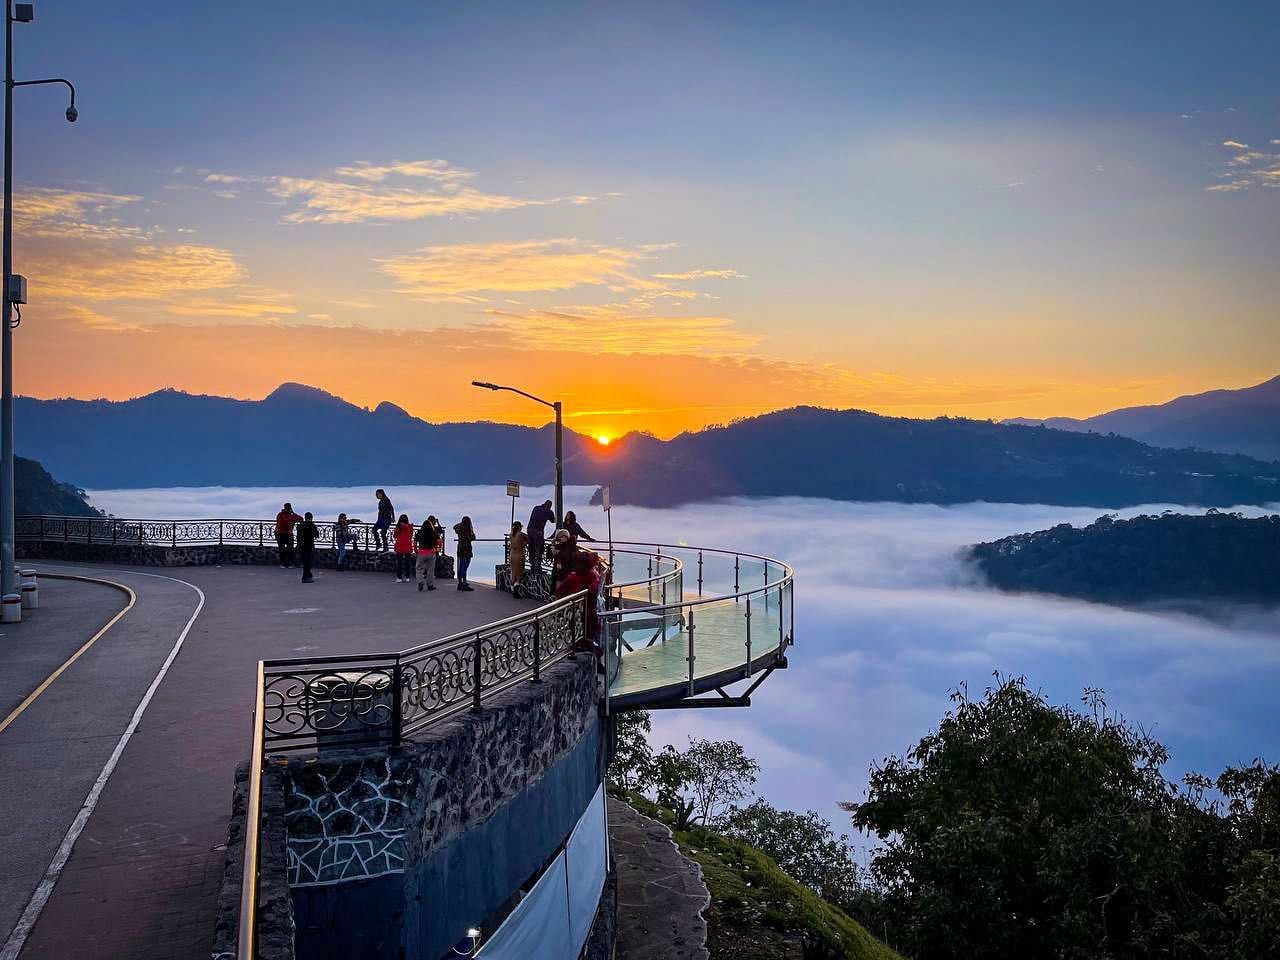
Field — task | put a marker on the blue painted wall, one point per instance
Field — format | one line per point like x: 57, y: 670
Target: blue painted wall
x: 420, y: 914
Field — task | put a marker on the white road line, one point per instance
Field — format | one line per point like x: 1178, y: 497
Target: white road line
x: 27, y: 922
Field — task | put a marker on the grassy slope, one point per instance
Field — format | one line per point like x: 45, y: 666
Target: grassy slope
x: 757, y: 912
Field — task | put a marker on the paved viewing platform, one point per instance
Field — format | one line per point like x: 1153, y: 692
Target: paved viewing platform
x: 144, y: 877
x: 134, y: 692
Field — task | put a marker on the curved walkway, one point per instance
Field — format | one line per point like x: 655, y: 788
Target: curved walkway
x: 143, y: 879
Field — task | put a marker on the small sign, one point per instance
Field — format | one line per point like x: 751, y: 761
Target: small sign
x: 513, y: 488
x: 604, y: 498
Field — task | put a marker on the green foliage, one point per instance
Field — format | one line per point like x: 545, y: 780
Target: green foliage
x: 1022, y: 829
x: 631, y: 766
x: 757, y: 911
x: 1170, y: 557
x: 806, y: 848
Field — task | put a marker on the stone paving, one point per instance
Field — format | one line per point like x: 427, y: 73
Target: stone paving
x: 143, y: 880
x: 661, y: 895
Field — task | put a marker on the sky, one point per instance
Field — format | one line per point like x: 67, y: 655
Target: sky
x: 666, y: 215
x: 889, y: 620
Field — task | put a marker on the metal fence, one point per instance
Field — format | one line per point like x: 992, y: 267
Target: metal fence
x: 174, y: 533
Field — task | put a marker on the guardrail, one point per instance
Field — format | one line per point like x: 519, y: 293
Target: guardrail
x: 174, y: 533
x: 340, y: 702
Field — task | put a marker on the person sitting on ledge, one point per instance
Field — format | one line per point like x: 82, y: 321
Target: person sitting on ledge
x: 307, y: 533
x: 428, y: 541
x: 404, y: 549
x: 285, y: 521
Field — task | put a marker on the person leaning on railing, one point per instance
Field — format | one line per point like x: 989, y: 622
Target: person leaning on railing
x: 585, y: 575
x: 285, y: 521
x: 466, y: 537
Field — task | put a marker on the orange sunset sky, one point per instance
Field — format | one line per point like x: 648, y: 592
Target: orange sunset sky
x: 664, y: 221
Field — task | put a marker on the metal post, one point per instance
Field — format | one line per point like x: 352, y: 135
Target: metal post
x: 66, y: 531
x: 115, y: 531
x: 691, y: 657
x: 475, y: 678
x: 559, y: 465
x: 88, y: 538
x: 736, y: 561
x: 175, y: 533
x: 261, y: 533
x: 7, y: 583
x: 782, y: 641
x: 397, y: 705
x: 537, y: 649
x: 699, y: 573
x: 219, y: 533
x: 791, y: 592
x: 747, y: 671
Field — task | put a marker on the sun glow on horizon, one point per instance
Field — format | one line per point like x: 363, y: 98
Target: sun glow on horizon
x: 603, y: 439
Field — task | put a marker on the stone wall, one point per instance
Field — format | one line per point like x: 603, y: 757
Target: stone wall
x: 395, y: 852
x: 204, y: 555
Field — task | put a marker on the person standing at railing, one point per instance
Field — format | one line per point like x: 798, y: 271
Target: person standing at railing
x: 342, y: 535
x: 307, y: 533
x: 563, y: 548
x: 516, y: 545
x: 386, y: 515
x: 466, y: 537
x: 428, y: 542
x: 575, y: 528
x: 285, y: 521
x: 404, y: 549
x: 585, y: 575
x: 538, y: 519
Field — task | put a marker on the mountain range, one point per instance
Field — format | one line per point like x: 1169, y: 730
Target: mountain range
x: 1233, y: 421
x: 299, y: 435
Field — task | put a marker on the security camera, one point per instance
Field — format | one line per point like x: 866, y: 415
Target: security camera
x: 72, y: 113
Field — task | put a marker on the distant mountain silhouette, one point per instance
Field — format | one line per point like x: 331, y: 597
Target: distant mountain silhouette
x: 295, y: 435
x: 852, y: 455
x: 36, y: 492
x: 1234, y: 421
x: 300, y: 435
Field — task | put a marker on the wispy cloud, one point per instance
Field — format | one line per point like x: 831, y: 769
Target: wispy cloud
x: 144, y: 271
x: 1247, y: 167
x: 616, y: 329
x: 702, y: 275
x: 470, y: 272
x: 366, y: 191
x: 244, y: 304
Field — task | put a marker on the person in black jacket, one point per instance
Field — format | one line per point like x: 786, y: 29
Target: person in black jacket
x: 575, y: 528
x: 307, y: 533
x: 428, y: 542
x: 386, y: 517
x: 466, y: 534
x: 536, y: 530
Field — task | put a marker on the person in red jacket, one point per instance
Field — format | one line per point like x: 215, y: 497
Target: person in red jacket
x: 584, y: 575
x: 404, y: 549
x: 286, y: 519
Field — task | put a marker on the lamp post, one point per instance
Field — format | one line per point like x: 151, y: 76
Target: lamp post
x: 14, y: 13
x: 559, y: 440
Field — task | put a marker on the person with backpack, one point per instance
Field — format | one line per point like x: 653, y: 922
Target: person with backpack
x: 428, y: 542
x: 386, y: 514
x: 466, y: 537
x: 307, y: 533
x: 404, y: 549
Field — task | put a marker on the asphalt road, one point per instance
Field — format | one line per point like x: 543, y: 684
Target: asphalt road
x: 142, y: 880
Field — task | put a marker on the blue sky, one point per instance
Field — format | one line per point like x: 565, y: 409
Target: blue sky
x: 993, y: 210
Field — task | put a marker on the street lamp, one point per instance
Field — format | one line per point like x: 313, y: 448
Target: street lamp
x: 13, y: 293
x: 559, y: 441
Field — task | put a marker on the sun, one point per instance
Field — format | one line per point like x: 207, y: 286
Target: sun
x: 604, y: 439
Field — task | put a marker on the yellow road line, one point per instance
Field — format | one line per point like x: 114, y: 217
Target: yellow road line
x: 133, y: 598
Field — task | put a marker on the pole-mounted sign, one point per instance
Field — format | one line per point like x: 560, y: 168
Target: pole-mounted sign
x: 513, y: 491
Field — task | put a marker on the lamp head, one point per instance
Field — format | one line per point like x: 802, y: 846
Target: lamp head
x: 72, y: 114
x: 23, y: 12
x: 481, y: 383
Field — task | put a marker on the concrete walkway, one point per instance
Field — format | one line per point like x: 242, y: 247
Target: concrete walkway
x: 661, y: 895
x: 142, y: 881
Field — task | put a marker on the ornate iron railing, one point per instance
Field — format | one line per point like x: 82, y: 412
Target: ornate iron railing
x: 328, y: 702
x: 174, y: 533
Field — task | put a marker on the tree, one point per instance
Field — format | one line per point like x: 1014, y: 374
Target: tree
x: 1022, y: 829
x: 719, y: 774
x: 671, y: 772
x: 805, y: 847
x: 631, y: 767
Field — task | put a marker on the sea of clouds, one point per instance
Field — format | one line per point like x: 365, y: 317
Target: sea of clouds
x: 888, y: 621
